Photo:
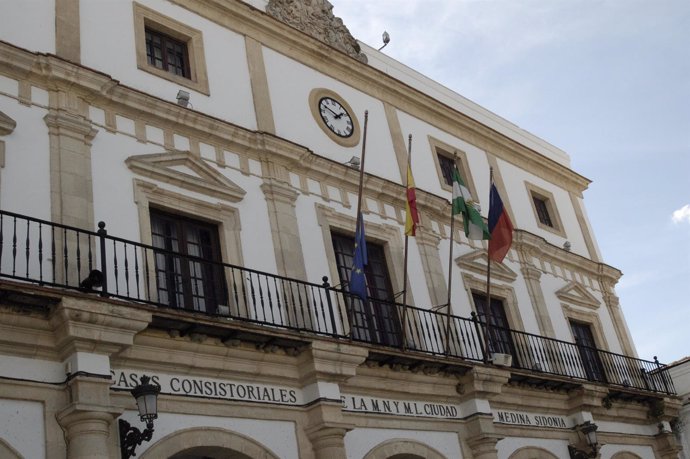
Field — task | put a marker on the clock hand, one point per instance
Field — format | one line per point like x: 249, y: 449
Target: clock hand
x: 334, y: 113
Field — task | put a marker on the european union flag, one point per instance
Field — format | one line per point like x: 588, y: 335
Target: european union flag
x: 358, y: 282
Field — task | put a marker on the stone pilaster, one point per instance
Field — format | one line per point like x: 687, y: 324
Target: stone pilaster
x: 667, y: 445
x: 71, y: 191
x: 322, y: 369
x: 427, y: 244
x: 87, y: 419
x: 613, y: 305
x: 280, y: 199
x: 87, y: 332
x: 476, y: 389
x: 532, y: 275
x: 70, y: 134
x: 67, y: 30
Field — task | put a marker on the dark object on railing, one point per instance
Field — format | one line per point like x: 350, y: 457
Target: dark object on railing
x: 167, y: 279
x: 95, y: 280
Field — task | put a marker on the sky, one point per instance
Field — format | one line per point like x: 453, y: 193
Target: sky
x: 608, y: 81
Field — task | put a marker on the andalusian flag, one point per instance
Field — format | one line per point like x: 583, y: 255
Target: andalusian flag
x: 462, y: 204
x: 412, y: 219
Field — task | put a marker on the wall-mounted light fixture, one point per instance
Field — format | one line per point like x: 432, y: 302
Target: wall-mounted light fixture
x: 146, y: 396
x: 354, y: 162
x: 589, y: 430
x: 182, y: 98
x: 386, y: 38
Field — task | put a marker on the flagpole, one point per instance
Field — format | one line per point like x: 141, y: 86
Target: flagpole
x: 359, y: 202
x: 489, y: 313
x: 450, y: 266
x: 403, y: 345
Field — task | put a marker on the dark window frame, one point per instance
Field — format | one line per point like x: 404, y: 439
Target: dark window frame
x: 181, y: 67
x: 541, y: 204
x: 373, y: 321
x: 184, y: 279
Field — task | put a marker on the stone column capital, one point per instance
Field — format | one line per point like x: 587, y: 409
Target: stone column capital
x: 94, y: 326
x: 330, y: 362
x: 483, y: 382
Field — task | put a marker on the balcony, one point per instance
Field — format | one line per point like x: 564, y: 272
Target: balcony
x: 194, y: 295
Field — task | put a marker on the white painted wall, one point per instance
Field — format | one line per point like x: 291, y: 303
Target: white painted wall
x: 107, y: 44
x: 358, y: 442
x: 290, y: 84
x: 25, y: 179
x: 22, y: 426
x: 28, y: 24
x: 519, y: 199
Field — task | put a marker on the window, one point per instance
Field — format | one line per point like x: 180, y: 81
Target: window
x: 446, y: 157
x: 166, y: 53
x: 446, y: 164
x: 498, y: 334
x: 373, y: 321
x: 588, y: 351
x: 188, y: 270
x: 545, y: 211
x: 542, y: 210
x: 169, y: 49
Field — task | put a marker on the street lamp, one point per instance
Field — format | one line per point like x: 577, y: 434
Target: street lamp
x: 146, y: 396
x: 589, y: 430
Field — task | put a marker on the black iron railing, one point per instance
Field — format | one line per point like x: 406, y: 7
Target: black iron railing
x: 57, y: 255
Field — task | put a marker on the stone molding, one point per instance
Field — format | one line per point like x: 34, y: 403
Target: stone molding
x: 531, y: 452
x: 208, y: 181
x: 483, y: 382
x: 91, y: 325
x: 476, y: 261
x: 229, y: 441
x: 332, y: 362
x: 403, y: 447
x: 315, y: 18
x: 577, y: 294
x: 7, y: 124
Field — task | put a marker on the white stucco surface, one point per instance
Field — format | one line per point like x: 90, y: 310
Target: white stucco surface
x: 22, y: 426
x: 29, y: 24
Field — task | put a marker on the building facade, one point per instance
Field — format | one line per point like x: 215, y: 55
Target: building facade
x: 178, y: 200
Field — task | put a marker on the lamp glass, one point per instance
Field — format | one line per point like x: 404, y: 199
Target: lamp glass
x: 148, y: 406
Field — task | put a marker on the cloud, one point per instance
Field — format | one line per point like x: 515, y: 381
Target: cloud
x: 682, y: 214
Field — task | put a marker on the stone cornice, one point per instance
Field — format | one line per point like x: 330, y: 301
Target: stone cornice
x: 538, y: 247
x: 311, y: 52
x: 7, y: 124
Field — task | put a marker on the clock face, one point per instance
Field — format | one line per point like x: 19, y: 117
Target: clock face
x: 336, y: 117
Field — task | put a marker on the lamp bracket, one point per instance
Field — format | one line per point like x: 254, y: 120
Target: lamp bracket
x: 131, y: 437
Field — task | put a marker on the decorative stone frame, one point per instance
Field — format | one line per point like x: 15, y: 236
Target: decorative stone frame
x: 404, y: 448
x: 147, y: 195
x: 590, y: 318
x: 504, y: 292
x: 315, y: 96
x: 440, y: 148
x: 546, y: 196
x: 145, y: 17
x: 532, y: 452
x: 386, y: 235
x: 182, y: 440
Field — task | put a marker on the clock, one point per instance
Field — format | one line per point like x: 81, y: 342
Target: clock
x: 335, y: 117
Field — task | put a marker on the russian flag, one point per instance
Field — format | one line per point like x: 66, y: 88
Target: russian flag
x: 500, y: 227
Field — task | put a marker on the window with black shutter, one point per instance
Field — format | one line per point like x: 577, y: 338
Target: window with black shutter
x: 373, y: 321
x: 188, y: 270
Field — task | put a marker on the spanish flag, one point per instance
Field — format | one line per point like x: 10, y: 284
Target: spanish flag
x: 412, y: 219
